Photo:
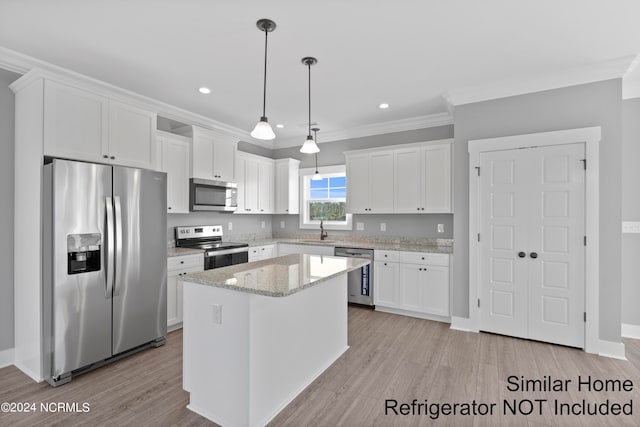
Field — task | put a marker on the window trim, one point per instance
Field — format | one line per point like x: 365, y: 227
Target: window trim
x: 305, y: 175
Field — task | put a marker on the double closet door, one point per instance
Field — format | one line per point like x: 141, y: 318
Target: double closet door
x: 532, y: 243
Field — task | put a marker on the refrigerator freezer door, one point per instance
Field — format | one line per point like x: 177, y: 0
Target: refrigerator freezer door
x: 81, y: 304
x: 140, y: 289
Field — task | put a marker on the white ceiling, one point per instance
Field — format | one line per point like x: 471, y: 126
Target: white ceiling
x: 407, y: 53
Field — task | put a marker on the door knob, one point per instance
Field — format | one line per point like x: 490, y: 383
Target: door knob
x: 533, y: 255
x: 522, y: 254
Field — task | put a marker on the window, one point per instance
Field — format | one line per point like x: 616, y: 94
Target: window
x: 324, y: 199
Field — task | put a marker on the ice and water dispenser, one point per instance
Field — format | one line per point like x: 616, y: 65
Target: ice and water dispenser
x: 83, y: 253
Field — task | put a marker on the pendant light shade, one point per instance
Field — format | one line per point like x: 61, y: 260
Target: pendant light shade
x: 309, y: 146
x: 316, y: 176
x: 263, y: 128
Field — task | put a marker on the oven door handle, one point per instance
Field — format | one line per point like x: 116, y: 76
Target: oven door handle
x: 227, y: 251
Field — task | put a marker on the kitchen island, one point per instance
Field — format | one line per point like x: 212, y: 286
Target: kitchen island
x: 257, y: 334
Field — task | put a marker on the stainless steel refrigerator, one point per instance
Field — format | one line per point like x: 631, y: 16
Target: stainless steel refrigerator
x: 104, y: 264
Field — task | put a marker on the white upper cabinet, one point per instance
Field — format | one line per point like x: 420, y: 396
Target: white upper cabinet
x: 131, y: 135
x: 287, y: 186
x: 370, y: 182
x: 82, y: 125
x: 408, y: 178
x: 75, y: 123
x: 266, y: 173
x: 437, y: 178
x: 255, y: 178
x: 174, y: 160
x: 357, y: 169
x: 213, y: 156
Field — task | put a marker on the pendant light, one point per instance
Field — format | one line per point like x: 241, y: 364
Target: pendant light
x: 263, y: 128
x: 309, y: 146
x: 316, y: 176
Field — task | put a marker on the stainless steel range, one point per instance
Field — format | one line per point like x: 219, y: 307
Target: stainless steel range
x: 209, y: 238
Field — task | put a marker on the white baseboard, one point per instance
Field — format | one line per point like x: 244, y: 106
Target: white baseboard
x: 401, y: 312
x: 614, y: 350
x: 463, y: 324
x: 631, y: 331
x: 28, y: 371
x: 6, y: 357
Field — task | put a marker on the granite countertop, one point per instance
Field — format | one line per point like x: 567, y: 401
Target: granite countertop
x: 387, y: 246
x: 277, y: 277
x: 183, y: 251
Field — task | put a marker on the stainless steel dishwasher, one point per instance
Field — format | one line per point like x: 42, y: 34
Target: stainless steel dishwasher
x: 361, y: 280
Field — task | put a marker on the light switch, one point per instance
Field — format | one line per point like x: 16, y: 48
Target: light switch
x: 262, y: 224
x: 630, y: 227
x: 440, y: 228
x: 383, y: 226
x: 216, y: 311
x: 281, y: 224
x: 230, y: 226
x: 360, y: 226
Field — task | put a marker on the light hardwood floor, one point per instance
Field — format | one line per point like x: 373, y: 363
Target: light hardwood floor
x: 390, y: 357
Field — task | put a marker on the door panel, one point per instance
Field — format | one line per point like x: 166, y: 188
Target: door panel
x: 556, y: 280
x: 532, y: 261
x: 504, y: 309
x: 81, y: 304
x: 140, y: 291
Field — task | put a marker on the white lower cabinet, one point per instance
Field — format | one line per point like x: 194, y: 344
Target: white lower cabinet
x: 179, y: 266
x: 415, y: 282
x: 258, y: 253
x: 386, y: 284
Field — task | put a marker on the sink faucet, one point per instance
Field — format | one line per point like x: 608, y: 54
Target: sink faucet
x: 323, y: 234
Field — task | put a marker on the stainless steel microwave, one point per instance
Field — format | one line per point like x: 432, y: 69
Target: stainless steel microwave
x: 206, y: 195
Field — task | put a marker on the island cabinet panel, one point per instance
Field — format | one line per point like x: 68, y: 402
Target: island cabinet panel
x: 246, y: 356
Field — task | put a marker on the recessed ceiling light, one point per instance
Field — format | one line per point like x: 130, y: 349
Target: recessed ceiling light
x: 204, y: 90
x: 383, y: 106
x: 279, y: 126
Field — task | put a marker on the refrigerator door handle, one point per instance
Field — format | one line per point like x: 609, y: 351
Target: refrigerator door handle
x: 118, y: 221
x: 109, y: 237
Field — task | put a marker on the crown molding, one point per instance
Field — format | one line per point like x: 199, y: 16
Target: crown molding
x: 631, y: 80
x: 412, y: 123
x: 521, y: 85
x: 33, y: 68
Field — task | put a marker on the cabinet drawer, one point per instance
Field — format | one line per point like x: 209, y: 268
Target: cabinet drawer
x: 185, y: 262
x: 391, y: 256
x: 424, y: 258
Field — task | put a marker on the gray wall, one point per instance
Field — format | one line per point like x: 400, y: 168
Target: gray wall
x: 6, y: 212
x: 630, y: 210
x: 595, y: 104
x: 405, y: 225
x: 331, y: 153
x: 243, y: 225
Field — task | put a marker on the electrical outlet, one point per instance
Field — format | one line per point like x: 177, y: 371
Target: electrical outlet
x: 230, y: 226
x: 631, y: 227
x: 281, y: 224
x: 262, y: 224
x: 216, y: 314
x: 360, y: 226
x: 440, y: 228
x: 383, y: 226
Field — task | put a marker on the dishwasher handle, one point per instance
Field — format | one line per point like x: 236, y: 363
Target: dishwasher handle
x: 353, y: 253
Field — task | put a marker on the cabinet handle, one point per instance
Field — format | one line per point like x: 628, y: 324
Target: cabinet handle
x: 418, y: 208
x: 181, y: 262
x: 286, y: 210
x: 385, y: 263
x: 169, y: 207
x: 423, y: 258
x: 247, y: 209
x: 533, y: 255
x: 105, y: 156
x: 261, y: 210
x: 522, y: 254
x: 113, y: 157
